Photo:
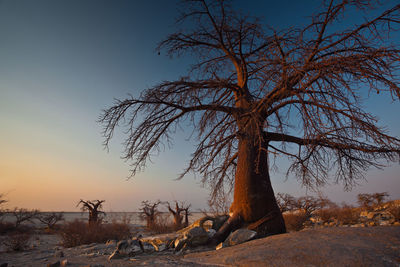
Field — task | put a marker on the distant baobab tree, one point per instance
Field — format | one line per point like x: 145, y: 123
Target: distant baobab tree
x: 186, y: 210
x: 176, y: 213
x: 94, y: 207
x: 255, y: 93
x: 149, y: 212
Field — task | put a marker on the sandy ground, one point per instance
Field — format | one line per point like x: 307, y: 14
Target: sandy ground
x: 374, y: 246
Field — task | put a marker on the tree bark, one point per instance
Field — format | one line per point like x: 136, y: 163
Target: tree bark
x: 254, y: 199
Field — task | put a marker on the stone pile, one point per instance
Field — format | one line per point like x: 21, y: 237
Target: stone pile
x: 382, y: 215
x: 194, y: 236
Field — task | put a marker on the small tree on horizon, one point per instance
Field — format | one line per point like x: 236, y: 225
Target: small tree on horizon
x: 176, y: 213
x: 149, y: 212
x: 94, y: 208
x: 51, y: 219
x: 255, y: 93
x: 24, y: 215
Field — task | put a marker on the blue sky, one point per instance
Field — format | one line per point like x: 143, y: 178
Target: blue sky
x: 62, y: 62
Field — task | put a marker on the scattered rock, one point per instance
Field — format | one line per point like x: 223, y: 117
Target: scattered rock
x: 240, y: 236
x: 157, y: 240
x: 179, y: 243
x: 211, y: 232
x: 148, y: 247
x: 55, y: 264
x: 59, y: 254
x: 221, y: 245
x: 219, y: 221
x: 129, y: 247
x: 115, y: 255
x: 196, y: 236
x: 111, y: 242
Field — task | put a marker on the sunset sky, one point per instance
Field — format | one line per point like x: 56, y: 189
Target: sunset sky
x: 62, y: 62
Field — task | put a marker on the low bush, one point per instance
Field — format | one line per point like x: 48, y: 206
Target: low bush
x: 78, y: 233
x: 348, y: 215
x: 395, y: 211
x: 345, y: 215
x: 17, y: 238
x: 162, y: 225
x: 17, y: 241
x: 294, y: 221
x: 6, y: 227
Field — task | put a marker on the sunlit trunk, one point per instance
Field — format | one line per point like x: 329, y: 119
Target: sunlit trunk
x: 254, y: 197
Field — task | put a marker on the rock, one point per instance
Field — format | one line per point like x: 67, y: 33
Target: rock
x: 148, y: 247
x: 55, y: 264
x: 115, y: 255
x: 240, y: 236
x: 111, y: 242
x: 221, y: 245
x: 211, y: 232
x: 179, y: 243
x: 158, y: 241
x: 59, y: 254
x: 129, y: 247
x: 383, y: 223
x: 161, y: 247
x: 196, y: 236
x: 216, y: 221
x: 219, y: 221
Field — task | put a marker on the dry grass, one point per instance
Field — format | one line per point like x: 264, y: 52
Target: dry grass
x: 78, y: 233
x: 6, y: 227
x: 17, y: 237
x: 162, y: 225
x: 395, y: 211
x: 294, y: 221
x: 17, y: 241
x: 345, y: 215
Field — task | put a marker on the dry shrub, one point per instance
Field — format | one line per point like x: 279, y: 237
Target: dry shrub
x: 17, y: 238
x: 294, y: 221
x: 348, y: 215
x: 17, y: 241
x: 327, y: 215
x: 395, y: 211
x: 6, y: 227
x: 78, y: 233
x: 162, y: 225
x: 345, y: 215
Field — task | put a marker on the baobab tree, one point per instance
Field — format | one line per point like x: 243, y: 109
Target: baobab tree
x: 255, y: 93
x: 94, y: 207
x: 186, y: 210
x: 176, y: 213
x: 149, y: 212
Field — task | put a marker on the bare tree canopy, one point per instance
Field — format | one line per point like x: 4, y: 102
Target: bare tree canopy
x: 94, y: 208
x: 149, y: 212
x: 254, y: 90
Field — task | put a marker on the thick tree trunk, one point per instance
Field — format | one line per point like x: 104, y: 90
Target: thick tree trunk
x: 254, y: 199
x: 254, y: 205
